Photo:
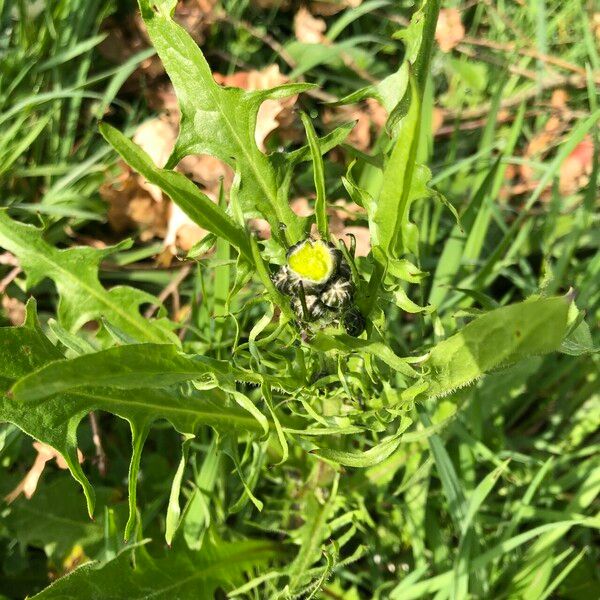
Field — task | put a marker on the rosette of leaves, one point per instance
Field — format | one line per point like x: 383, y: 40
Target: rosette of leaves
x: 269, y: 390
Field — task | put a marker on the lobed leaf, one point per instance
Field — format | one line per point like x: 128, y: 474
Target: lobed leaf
x: 53, y: 416
x: 180, y: 574
x: 198, y: 206
x: 123, y: 367
x: 403, y: 182
x: 319, y: 177
x: 220, y: 121
x: 367, y: 458
x: 496, y: 339
x: 75, y: 273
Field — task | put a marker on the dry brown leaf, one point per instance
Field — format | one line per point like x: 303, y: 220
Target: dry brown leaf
x: 577, y: 167
x: 207, y: 171
x: 301, y: 206
x: 261, y: 228
x: 272, y: 113
x: 362, y: 236
x: 543, y: 141
x: 342, y: 218
x: 371, y: 115
x: 135, y: 203
x: 559, y: 99
x: 195, y: 16
x: 360, y: 136
x: 268, y: 4
x: 449, y: 30
x: 309, y: 29
x: 14, y: 309
x: 182, y: 232
x: 323, y: 8
x: 437, y: 119
x: 326, y: 8
x: 127, y: 36
x: 29, y: 483
x: 157, y: 138
x: 377, y: 113
x: 132, y: 206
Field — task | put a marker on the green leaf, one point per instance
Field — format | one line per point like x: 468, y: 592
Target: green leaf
x: 124, y: 367
x: 579, y: 341
x: 366, y: 458
x: 198, y: 206
x: 453, y: 252
x: 496, y: 339
x: 197, y: 516
x: 467, y: 540
x: 263, y: 274
x: 418, y: 39
x: 316, y: 515
x: 349, y: 16
x: 403, y: 182
x: 181, y: 574
x: 401, y: 300
x: 319, y: 176
x: 220, y: 121
x: 75, y: 273
x: 429, y: 586
x: 173, y: 517
x: 52, y: 416
x: 326, y: 143
x: 55, y: 519
x: 22, y: 350
x: 347, y: 343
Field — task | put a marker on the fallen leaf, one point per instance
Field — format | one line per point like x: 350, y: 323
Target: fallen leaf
x: 309, y: 29
x: 268, y: 4
x: 437, y: 119
x: 449, y: 30
x: 195, y: 16
x: 323, y: 8
x: 327, y: 8
x: 182, y: 232
x: 131, y: 205
x: 301, y: 206
x: 559, y: 99
x: 362, y: 236
x: 342, y: 218
x: 360, y: 136
x: 272, y: 113
x: 377, y: 113
x: 546, y: 139
x: 29, y: 483
x: 157, y: 138
x: 577, y: 167
x: 135, y: 203
x: 370, y: 117
x: 14, y: 309
x: 126, y: 36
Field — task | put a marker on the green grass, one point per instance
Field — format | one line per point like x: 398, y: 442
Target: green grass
x: 450, y: 451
